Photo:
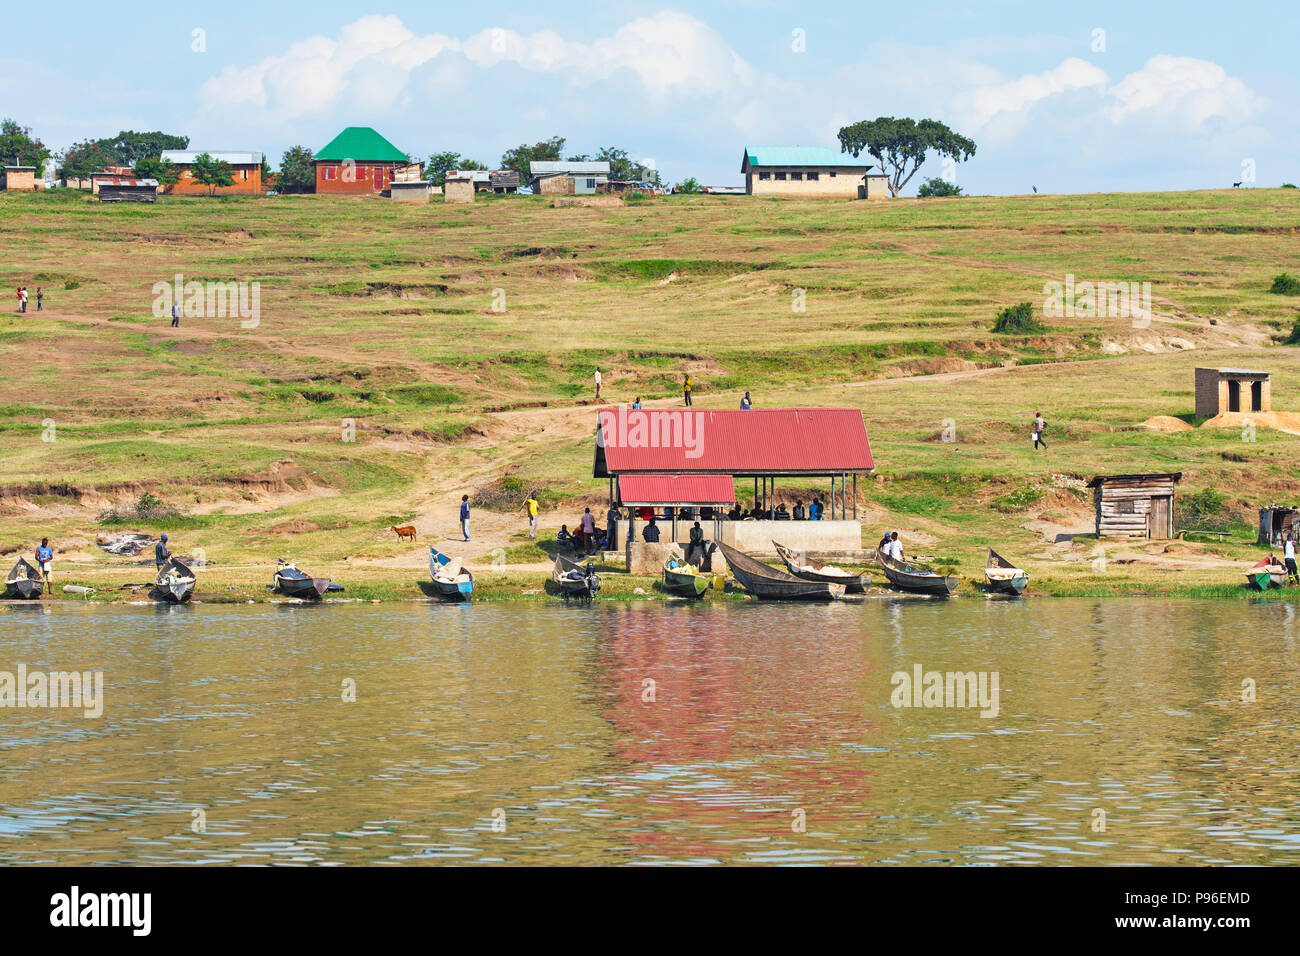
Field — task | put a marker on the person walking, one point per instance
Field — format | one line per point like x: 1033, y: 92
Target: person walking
x: 176, y: 314
x: 745, y: 403
x: 1288, y: 552
x: 1039, y: 424
x: 44, y: 560
x: 531, y: 507
x: 687, y: 385
x: 464, y: 516
x: 597, y: 384
x: 160, y: 552
x: 40, y: 299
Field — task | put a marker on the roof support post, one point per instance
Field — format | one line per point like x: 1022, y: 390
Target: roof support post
x: 855, y: 496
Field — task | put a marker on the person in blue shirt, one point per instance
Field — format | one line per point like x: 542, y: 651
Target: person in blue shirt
x: 464, y: 516
x: 745, y: 403
x: 160, y: 552
x: 815, y: 509
x: 637, y: 403
x: 44, y: 558
x: 651, y: 531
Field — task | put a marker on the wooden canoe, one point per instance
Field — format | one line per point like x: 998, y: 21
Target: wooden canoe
x: 292, y: 582
x: 916, y: 580
x: 686, y: 583
x: 451, y: 582
x: 174, y: 581
x: 573, y: 579
x: 1003, y: 576
x: 1263, y: 575
x: 799, y: 565
x: 25, y: 580
x: 769, y: 583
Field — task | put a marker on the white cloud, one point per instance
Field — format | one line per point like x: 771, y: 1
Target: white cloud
x: 1186, y: 89
x: 1016, y: 96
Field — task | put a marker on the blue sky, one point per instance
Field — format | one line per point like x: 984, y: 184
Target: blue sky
x: 1167, y: 96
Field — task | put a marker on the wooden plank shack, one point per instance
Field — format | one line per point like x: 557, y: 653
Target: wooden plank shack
x: 1135, y: 506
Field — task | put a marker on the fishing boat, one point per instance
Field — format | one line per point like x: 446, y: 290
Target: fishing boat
x: 574, y: 579
x: 916, y: 580
x: 1265, y: 574
x: 451, y: 581
x: 24, y: 580
x: 292, y: 582
x: 1003, y: 576
x: 802, y: 566
x: 175, y: 581
x: 685, y: 579
x: 769, y: 583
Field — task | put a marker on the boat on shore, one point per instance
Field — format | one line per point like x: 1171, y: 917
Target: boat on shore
x: 451, y: 582
x: 1265, y: 574
x: 685, y: 579
x: 290, y: 581
x: 770, y: 584
x: 574, y: 579
x: 24, y: 581
x: 802, y: 566
x: 916, y: 580
x: 174, y: 582
x: 1003, y: 576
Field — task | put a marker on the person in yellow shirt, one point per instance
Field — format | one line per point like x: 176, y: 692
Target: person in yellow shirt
x: 686, y: 388
x: 531, y: 507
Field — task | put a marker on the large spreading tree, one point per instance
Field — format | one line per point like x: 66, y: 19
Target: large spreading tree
x: 523, y: 154
x: 130, y: 147
x: 20, y: 148
x: 901, y: 145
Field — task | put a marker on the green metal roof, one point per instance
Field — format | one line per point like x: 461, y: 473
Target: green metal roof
x: 800, y: 156
x: 361, y: 144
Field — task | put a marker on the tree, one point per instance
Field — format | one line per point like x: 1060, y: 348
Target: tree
x: 19, y: 147
x: 690, y: 185
x: 901, y: 145
x: 211, y: 172
x: 938, y: 187
x: 82, y: 159
x: 440, y: 164
x: 159, y: 169
x: 523, y: 154
x: 130, y: 147
x: 621, y: 166
x: 297, y: 175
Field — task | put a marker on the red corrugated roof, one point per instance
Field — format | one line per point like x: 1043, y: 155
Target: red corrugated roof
x: 676, y: 490
x: 770, y: 441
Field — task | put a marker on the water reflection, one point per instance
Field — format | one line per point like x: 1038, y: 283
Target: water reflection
x: 652, y: 733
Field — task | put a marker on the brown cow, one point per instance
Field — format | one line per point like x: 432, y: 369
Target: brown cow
x: 406, y: 531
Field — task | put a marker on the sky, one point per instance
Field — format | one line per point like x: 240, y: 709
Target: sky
x: 1078, y: 97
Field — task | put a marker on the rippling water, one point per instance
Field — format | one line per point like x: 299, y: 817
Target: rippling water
x: 528, y: 733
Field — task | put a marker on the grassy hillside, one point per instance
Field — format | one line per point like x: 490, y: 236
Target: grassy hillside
x: 459, y: 343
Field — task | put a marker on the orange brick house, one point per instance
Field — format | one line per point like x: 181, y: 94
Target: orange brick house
x: 245, y: 168
x: 357, y: 161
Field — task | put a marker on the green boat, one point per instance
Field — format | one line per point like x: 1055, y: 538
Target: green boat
x: 1264, y: 575
x: 685, y: 583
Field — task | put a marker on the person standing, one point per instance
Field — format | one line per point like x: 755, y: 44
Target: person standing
x: 745, y: 403
x: 687, y: 385
x: 1288, y: 551
x: 40, y: 299
x: 176, y: 314
x: 160, y: 553
x: 22, y: 299
x: 1039, y: 424
x: 588, y: 528
x: 464, y: 516
x: 19, y: 293
x: 531, y: 507
x: 895, y: 547
x: 597, y: 384
x: 44, y: 560
x: 637, y: 404
x: 611, y: 528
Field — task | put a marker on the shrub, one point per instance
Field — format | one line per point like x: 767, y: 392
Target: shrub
x: 1018, y: 319
x: 71, y: 284
x: 1285, y: 284
x: 1294, y: 337
x: 1288, y: 185
x: 1204, y: 510
x: 145, y: 508
x: 1020, y: 500
x: 938, y: 187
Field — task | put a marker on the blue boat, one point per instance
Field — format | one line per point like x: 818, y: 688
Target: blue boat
x: 451, y: 581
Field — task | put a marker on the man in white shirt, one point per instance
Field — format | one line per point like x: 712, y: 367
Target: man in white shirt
x: 1288, y: 552
x: 597, y: 384
x: 895, y: 547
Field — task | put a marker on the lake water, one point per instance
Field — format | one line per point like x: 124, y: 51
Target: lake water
x: 528, y: 734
